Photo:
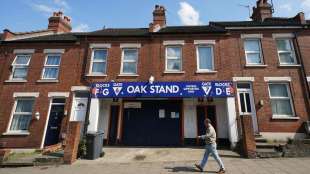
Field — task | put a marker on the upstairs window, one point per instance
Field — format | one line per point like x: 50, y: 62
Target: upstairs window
x: 22, y: 114
x: 286, y: 51
x: 253, y: 51
x: 20, y: 67
x: 205, y: 58
x: 281, y: 101
x: 173, y: 58
x: 129, y: 61
x: 51, y: 66
x: 99, y: 61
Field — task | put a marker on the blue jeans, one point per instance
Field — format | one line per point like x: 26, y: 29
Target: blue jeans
x: 211, y: 148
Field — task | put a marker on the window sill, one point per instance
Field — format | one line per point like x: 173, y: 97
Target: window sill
x: 15, y: 81
x: 255, y: 66
x: 206, y: 72
x: 174, y: 72
x: 288, y: 65
x: 285, y: 118
x: 47, y: 81
x: 17, y: 133
x: 96, y: 75
x: 128, y: 75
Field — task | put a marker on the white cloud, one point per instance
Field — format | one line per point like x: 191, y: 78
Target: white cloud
x: 81, y: 28
x: 43, y: 8
x: 305, y: 4
x: 188, y: 15
x: 287, y: 7
x: 61, y: 3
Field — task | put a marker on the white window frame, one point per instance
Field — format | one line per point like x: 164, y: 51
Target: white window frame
x: 129, y: 61
x: 13, y: 112
x: 250, y: 92
x: 198, y: 58
x: 292, y: 52
x: 51, y: 66
x: 98, y: 61
x: 14, y: 66
x: 287, y: 84
x: 173, y: 58
x: 260, y: 52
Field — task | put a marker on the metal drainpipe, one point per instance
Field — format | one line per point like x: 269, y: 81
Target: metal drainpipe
x: 304, y: 75
x: 86, y: 121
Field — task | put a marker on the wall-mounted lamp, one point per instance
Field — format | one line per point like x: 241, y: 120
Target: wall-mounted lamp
x: 37, y: 115
x: 65, y: 113
x: 261, y: 102
x: 151, y: 79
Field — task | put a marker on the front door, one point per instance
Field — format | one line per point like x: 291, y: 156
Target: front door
x: 246, y: 103
x: 54, y: 124
x: 204, y: 112
x: 113, y: 125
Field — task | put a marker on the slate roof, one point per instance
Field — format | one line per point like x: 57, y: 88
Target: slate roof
x: 119, y: 32
x: 66, y: 37
x: 191, y: 29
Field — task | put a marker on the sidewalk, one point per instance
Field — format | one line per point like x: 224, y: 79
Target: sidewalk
x: 168, y: 160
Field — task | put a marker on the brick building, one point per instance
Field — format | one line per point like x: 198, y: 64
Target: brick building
x: 155, y: 85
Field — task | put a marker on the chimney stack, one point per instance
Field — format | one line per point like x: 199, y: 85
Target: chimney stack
x: 262, y: 11
x: 59, y: 23
x: 159, y: 18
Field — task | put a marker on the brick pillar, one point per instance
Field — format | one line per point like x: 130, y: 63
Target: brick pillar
x: 248, y: 139
x: 72, y: 142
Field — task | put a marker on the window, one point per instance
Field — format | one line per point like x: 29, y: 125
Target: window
x: 253, y: 52
x: 281, y: 102
x: 22, y: 114
x: 51, y: 66
x: 129, y: 61
x: 173, y: 58
x: 20, y: 67
x: 205, y: 58
x: 244, y: 96
x: 286, y: 51
x: 99, y: 61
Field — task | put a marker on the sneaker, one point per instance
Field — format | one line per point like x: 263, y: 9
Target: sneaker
x: 199, y: 167
x: 221, y: 171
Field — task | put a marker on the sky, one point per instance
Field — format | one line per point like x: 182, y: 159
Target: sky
x: 90, y: 15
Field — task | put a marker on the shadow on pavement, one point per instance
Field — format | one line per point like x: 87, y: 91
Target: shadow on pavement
x: 185, y: 169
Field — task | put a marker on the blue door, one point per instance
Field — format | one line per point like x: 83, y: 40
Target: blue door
x: 156, y: 123
x: 54, y: 125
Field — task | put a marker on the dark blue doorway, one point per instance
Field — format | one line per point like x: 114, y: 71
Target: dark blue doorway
x: 54, y: 122
x: 113, y: 124
x: 156, y: 123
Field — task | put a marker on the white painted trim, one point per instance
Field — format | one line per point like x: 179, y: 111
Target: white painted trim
x: 256, y: 65
x: 232, y: 121
x: 92, y: 62
x: 174, y: 42
x: 47, y: 81
x: 251, y: 36
x: 277, y: 79
x: 80, y: 88
x: 283, y: 136
x: 23, y: 51
x: 26, y: 94
x: 58, y: 94
x: 204, y: 42
x: 282, y: 35
x: 308, y: 79
x: 174, y: 72
x: 243, y: 79
x: 99, y: 45
x: 198, y: 60
x: 51, y: 51
x: 130, y: 45
x: 128, y: 75
x: 205, y: 72
x: 289, y: 65
x: 46, y: 123
x: 274, y: 117
x: 15, y: 81
x: 122, y: 61
x: 96, y: 75
x: 16, y: 133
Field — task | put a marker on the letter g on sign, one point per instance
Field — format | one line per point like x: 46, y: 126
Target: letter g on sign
x: 105, y: 92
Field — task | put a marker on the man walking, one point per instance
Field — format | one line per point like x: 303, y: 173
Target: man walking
x: 210, y: 139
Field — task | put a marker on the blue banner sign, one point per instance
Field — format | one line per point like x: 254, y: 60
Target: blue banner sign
x: 162, y: 89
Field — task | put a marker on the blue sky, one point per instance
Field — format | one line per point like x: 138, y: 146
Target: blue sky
x: 88, y: 15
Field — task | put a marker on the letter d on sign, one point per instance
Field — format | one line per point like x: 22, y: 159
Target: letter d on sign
x: 218, y: 91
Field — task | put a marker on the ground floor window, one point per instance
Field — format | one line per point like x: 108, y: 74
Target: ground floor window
x: 22, y: 114
x: 281, y: 100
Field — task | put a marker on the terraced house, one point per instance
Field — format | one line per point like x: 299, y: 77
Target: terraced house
x: 154, y: 86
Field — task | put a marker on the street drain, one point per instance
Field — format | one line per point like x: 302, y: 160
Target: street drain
x: 139, y: 157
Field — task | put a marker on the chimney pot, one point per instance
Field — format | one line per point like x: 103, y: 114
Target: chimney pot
x: 262, y: 11
x: 58, y: 23
x: 159, y: 18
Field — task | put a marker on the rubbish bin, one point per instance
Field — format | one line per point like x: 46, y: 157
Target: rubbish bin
x: 94, y: 143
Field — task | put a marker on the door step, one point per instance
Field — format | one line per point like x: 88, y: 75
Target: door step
x: 268, y: 153
x: 265, y: 149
